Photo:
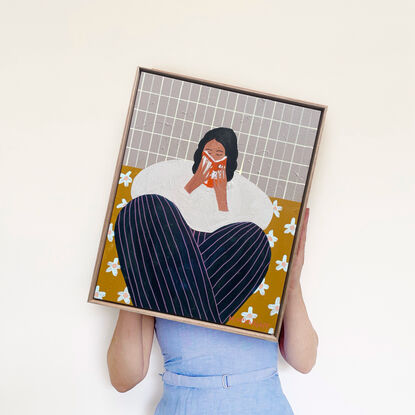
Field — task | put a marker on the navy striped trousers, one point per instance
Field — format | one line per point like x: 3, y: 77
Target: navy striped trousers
x: 171, y: 268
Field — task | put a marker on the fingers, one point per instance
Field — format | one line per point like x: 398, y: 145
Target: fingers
x: 217, y: 181
x: 222, y: 175
x: 303, y: 235
x: 203, y: 169
x: 206, y: 166
x: 220, y: 180
x: 305, y: 223
x: 202, y: 164
x: 205, y: 174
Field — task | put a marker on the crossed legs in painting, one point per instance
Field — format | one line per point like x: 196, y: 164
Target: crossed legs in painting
x: 171, y: 268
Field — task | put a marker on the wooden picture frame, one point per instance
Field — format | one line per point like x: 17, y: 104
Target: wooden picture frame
x: 266, y: 123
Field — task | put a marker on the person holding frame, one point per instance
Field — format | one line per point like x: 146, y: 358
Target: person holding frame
x: 253, y: 387
x: 179, y: 206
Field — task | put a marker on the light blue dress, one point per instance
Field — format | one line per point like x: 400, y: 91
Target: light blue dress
x: 199, y: 351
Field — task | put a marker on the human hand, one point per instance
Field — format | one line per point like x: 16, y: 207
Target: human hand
x: 201, y: 175
x: 219, y: 184
x: 298, y: 257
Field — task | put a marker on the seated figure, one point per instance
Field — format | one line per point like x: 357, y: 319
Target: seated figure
x: 191, y: 241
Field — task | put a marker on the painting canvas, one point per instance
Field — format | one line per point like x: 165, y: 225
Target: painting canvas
x: 208, y: 195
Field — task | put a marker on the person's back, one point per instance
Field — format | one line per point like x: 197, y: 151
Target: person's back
x: 192, y: 351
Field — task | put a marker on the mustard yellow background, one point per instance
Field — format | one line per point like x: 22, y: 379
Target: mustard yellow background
x: 111, y: 288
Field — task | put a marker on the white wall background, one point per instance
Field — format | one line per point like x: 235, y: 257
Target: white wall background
x: 67, y: 69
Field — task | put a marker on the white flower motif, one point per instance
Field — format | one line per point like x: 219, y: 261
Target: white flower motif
x: 124, y: 296
x: 248, y: 315
x: 113, y: 266
x: 125, y: 178
x: 122, y: 204
x: 99, y: 294
x: 271, y: 331
x: 271, y: 238
x: 262, y: 287
x: 276, y: 209
x: 282, y: 264
x: 110, y: 233
x: 290, y: 227
x: 275, y: 308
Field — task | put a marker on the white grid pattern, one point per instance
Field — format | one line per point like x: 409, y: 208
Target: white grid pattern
x: 228, y: 109
x: 275, y: 186
x: 152, y: 130
x: 292, y: 157
x: 253, y: 135
x: 193, y: 123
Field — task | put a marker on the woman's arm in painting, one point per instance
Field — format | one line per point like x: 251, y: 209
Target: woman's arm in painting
x: 197, y: 179
x: 298, y: 340
x: 129, y: 352
x: 220, y: 184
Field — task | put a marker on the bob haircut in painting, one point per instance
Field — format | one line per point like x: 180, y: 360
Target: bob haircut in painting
x: 225, y: 136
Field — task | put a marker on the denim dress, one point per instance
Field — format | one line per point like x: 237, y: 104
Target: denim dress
x: 195, y: 351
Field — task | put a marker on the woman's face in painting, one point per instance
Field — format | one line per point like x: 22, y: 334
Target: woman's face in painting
x: 215, y: 149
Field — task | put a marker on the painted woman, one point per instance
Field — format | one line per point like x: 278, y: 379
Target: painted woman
x: 191, y: 242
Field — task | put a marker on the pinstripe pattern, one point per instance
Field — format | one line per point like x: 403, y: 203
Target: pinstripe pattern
x: 171, y: 268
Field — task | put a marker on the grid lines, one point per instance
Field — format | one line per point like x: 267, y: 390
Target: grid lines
x: 275, y: 139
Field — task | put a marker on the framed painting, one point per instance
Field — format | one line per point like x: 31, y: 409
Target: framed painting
x: 209, y: 190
